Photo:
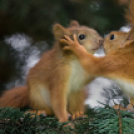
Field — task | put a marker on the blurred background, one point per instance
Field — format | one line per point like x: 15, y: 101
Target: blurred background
x: 25, y: 32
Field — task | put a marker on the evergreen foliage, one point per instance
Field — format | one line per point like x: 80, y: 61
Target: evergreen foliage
x: 101, y: 120
x: 110, y: 121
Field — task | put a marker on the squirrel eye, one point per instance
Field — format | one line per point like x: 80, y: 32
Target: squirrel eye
x: 82, y: 36
x: 112, y: 37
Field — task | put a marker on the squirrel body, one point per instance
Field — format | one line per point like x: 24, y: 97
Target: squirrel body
x: 118, y: 64
x: 57, y: 87
x: 56, y: 82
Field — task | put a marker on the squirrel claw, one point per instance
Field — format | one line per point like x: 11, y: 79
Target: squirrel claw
x: 78, y: 114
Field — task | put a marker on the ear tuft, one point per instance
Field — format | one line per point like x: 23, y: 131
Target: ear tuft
x: 74, y: 23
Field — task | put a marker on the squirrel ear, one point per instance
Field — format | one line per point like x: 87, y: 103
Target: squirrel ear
x: 129, y: 37
x: 128, y: 43
x: 74, y: 23
x: 59, y: 31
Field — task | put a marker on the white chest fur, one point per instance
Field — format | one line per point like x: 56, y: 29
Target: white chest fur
x: 128, y: 88
x: 77, y: 77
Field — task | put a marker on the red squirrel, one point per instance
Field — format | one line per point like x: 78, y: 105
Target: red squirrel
x: 55, y: 84
x: 118, y: 64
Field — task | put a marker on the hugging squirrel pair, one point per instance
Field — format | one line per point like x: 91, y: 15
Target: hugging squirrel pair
x: 55, y: 84
x: 118, y: 64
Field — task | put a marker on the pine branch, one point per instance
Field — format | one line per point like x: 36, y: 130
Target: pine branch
x: 99, y: 120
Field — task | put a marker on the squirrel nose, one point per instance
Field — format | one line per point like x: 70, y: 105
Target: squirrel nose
x: 101, y: 42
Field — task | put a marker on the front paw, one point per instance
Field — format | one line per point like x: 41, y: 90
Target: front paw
x: 68, y: 43
x: 78, y: 114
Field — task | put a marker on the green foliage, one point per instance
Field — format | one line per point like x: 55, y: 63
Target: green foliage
x: 106, y: 121
x: 16, y: 121
x: 99, y: 121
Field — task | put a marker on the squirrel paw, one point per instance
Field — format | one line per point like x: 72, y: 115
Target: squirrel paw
x: 68, y: 43
x: 79, y: 114
x: 37, y: 112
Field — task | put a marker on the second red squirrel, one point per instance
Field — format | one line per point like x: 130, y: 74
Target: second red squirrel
x: 118, y: 64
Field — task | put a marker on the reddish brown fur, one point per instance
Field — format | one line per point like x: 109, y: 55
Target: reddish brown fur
x: 118, y: 64
x: 56, y: 81
x: 16, y: 97
x: 49, y: 80
x: 130, y: 12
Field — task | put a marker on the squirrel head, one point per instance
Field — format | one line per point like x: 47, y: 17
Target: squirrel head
x: 86, y: 36
x: 117, y: 39
x: 114, y: 41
